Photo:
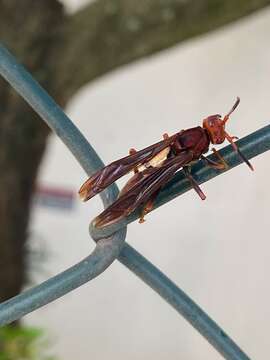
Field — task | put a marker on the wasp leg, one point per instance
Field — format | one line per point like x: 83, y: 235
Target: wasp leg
x: 225, y: 165
x: 165, y: 136
x: 148, y: 206
x: 235, y: 147
x: 133, y: 151
x: 194, y: 183
x: 214, y: 164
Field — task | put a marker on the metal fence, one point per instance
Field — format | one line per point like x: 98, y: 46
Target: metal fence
x: 110, y: 242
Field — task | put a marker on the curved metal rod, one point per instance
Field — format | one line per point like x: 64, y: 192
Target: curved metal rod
x: 251, y: 145
x: 106, y: 250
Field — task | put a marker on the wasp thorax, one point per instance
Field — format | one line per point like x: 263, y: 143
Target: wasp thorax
x: 214, y: 126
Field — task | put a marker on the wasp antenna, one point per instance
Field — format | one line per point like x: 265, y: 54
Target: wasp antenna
x: 235, y: 105
x: 236, y: 148
x: 226, y: 117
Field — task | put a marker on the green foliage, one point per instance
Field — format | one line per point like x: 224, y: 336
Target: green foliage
x: 23, y: 343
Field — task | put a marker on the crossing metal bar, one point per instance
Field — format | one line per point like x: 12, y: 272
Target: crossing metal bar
x: 107, y: 249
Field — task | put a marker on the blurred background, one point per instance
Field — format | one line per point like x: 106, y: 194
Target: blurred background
x: 217, y: 251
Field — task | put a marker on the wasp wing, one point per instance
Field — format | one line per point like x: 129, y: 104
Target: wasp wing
x: 150, y: 181
x: 112, y: 172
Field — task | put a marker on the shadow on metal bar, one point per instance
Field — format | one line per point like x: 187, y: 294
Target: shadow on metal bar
x: 107, y: 249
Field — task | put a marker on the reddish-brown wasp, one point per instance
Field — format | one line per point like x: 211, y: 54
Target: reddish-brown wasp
x: 155, y: 165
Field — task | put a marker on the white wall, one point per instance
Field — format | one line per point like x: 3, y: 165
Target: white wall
x: 217, y: 251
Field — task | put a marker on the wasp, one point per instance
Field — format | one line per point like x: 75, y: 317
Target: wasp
x: 155, y: 165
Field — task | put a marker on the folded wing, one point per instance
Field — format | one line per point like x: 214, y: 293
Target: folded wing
x: 151, y: 181
x: 112, y: 172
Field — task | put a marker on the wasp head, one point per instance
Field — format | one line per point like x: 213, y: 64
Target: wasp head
x: 215, y: 128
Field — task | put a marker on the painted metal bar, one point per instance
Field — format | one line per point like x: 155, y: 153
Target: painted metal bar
x: 251, y: 145
x: 105, y: 251
x: 181, y: 302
